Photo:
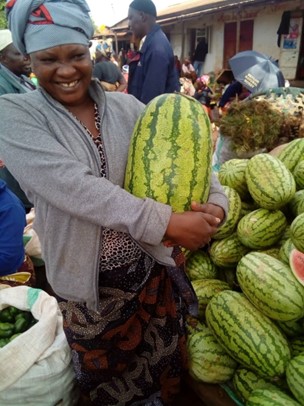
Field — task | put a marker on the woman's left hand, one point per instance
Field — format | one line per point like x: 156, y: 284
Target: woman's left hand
x: 209, y: 208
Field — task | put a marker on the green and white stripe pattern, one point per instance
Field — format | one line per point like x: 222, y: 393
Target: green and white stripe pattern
x: 297, y: 232
x: 246, y: 381
x: 261, y: 228
x: 227, y: 252
x: 250, y: 337
x: 270, y: 397
x: 232, y: 174
x: 234, y: 213
x: 208, y: 360
x: 200, y: 266
x: 269, y: 182
x: 270, y: 285
x: 295, y: 377
x: 170, y: 152
x: 292, y: 154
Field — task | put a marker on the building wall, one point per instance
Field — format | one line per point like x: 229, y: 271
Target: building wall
x: 266, y: 23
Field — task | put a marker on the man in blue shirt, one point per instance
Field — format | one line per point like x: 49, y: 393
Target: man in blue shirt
x: 12, y: 223
x: 152, y: 71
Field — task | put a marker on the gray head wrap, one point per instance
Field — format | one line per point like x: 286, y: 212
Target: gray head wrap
x: 42, y: 24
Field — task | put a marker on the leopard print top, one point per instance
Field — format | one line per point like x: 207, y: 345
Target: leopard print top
x: 117, y: 249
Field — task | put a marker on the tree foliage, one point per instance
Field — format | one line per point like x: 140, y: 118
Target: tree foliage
x: 3, y: 20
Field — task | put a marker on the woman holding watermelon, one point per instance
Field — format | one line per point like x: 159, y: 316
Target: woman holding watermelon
x: 122, y: 295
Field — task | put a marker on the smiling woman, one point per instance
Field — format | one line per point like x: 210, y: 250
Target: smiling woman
x: 65, y: 73
x: 123, y: 294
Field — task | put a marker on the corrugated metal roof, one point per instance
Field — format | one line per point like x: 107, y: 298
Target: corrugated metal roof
x: 190, y: 9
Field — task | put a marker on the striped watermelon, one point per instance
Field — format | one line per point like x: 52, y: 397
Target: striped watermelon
x: 261, y: 228
x: 200, y: 266
x: 270, y: 286
x: 285, y: 251
x: 292, y: 153
x: 170, y: 152
x: 298, y: 175
x: 295, y: 377
x: 296, y: 204
x: 205, y: 289
x: 292, y: 328
x: 246, y: 381
x: 232, y: 174
x: 235, y: 206
x: 208, y: 361
x: 297, y: 232
x: 285, y: 236
x: 248, y: 336
x: 270, y: 397
x: 227, y: 252
x: 270, y: 183
x: 297, y: 345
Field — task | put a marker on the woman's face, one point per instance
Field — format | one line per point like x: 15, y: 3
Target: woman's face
x: 64, y: 72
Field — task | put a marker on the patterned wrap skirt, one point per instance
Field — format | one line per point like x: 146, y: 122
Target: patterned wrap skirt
x: 133, y: 350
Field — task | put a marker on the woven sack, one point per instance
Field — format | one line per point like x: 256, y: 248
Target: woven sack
x: 35, y: 367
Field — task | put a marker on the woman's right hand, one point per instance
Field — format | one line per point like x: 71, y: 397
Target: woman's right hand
x: 190, y: 229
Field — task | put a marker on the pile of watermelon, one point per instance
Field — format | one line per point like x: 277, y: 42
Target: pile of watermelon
x: 250, y: 283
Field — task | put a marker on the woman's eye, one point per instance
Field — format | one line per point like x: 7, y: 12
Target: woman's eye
x: 47, y: 60
x: 79, y: 56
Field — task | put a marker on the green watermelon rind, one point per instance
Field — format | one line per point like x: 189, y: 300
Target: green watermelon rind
x: 270, y: 286
x: 170, y: 152
x: 270, y: 397
x: 248, y: 336
x: 297, y: 232
x: 269, y: 182
x: 295, y: 377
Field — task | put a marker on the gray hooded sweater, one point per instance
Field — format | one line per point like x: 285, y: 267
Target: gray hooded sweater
x: 58, y: 167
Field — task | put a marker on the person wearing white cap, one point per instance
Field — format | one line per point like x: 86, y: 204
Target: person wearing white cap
x: 14, y: 67
x: 13, y: 70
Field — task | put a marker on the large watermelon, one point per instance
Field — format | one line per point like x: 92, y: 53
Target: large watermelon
x: 249, y: 336
x: 269, y: 182
x: 270, y: 286
x: 170, y: 152
x: 261, y: 228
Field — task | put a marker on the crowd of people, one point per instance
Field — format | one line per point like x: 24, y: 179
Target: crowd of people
x: 113, y: 261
